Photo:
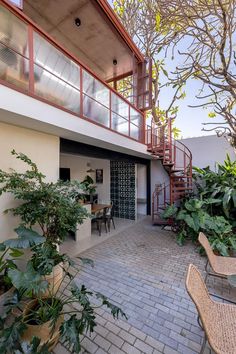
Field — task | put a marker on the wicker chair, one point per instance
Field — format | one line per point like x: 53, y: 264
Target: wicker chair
x: 221, y: 266
x: 218, y: 319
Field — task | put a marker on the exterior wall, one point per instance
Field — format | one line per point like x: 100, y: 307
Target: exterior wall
x: 141, y: 189
x: 158, y: 174
x: 43, y: 149
x: 78, y: 167
x: 208, y: 150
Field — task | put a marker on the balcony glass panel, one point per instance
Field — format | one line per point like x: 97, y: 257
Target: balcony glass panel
x: 57, y: 78
x: 55, y: 90
x: 119, y: 106
x: 120, y: 124
x: 95, y: 89
x: 95, y: 111
x: 135, y: 132
x: 13, y: 33
x: 13, y: 49
x: 55, y: 62
x: 135, y: 117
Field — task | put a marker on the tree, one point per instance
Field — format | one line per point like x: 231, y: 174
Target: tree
x: 141, y: 21
x: 207, y: 31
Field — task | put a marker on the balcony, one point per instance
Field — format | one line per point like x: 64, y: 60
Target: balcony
x: 36, y: 65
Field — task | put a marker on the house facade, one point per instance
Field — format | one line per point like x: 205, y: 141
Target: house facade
x: 74, y: 90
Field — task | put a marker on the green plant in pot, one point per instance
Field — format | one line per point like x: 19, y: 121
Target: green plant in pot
x: 66, y: 315
x: 87, y: 185
x: 46, y: 206
x: 10, y: 251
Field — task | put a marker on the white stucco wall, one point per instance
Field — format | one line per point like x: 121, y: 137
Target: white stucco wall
x: 43, y: 149
x: 141, y: 181
x: 208, y: 150
x: 78, y: 167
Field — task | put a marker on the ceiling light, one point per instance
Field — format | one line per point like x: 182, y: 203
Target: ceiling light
x: 77, y: 21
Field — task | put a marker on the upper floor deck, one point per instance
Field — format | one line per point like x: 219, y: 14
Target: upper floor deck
x: 40, y: 64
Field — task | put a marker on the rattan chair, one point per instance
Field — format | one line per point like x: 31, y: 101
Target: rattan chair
x: 221, y: 266
x: 218, y: 319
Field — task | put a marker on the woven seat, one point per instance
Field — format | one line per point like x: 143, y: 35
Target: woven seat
x: 222, y: 266
x: 218, y: 319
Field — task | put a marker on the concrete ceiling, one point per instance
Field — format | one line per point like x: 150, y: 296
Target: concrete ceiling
x: 96, y: 43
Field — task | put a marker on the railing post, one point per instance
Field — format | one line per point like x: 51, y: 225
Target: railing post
x: 31, y: 58
x: 184, y: 161
x: 110, y: 112
x: 129, y: 120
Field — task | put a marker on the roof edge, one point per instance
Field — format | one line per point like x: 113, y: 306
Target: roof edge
x: 107, y: 9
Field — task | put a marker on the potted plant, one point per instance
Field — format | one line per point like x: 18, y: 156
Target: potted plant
x: 67, y: 314
x: 87, y: 185
x: 49, y: 207
x: 10, y: 251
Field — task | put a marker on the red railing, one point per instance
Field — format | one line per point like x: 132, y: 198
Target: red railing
x: 33, y: 63
x: 159, y: 142
x: 177, y: 160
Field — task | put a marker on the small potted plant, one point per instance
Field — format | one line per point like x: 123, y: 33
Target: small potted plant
x: 87, y: 185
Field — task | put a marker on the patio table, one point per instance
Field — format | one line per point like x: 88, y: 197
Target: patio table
x: 98, y: 207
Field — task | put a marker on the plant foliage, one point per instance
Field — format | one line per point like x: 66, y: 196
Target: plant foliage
x: 212, y: 209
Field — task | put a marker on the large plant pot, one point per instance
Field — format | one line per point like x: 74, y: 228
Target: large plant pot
x: 54, y: 280
x: 42, y: 331
x: 4, y: 297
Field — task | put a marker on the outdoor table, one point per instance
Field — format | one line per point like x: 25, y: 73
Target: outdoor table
x: 99, y: 207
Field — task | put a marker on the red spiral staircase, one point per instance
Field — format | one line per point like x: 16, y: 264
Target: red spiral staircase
x: 177, y: 161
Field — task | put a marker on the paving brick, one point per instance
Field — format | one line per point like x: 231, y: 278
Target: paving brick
x: 129, y: 349
x: 127, y: 337
x: 137, y: 333
x: 101, y: 342
x: 89, y: 346
x: 114, y: 350
x: 154, y: 343
x: 115, y: 340
x: 145, y: 348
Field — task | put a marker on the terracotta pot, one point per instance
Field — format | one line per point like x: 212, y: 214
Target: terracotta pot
x: 54, y: 280
x: 42, y: 331
x: 4, y: 297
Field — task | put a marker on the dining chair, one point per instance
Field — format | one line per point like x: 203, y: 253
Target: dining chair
x: 99, y: 219
x: 109, y: 216
x: 221, y: 266
x: 218, y: 319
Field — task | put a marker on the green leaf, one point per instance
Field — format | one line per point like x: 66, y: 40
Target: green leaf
x: 14, y: 253
x: 30, y: 281
x: 70, y: 333
x: 181, y: 238
x: 87, y: 261
x: 26, y: 239
x: 2, y: 247
x: 169, y: 211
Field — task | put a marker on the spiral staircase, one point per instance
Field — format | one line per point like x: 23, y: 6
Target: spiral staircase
x: 176, y: 158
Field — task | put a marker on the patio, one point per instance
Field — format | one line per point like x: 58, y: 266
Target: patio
x: 142, y: 270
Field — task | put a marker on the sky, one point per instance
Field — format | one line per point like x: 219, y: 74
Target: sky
x: 189, y: 120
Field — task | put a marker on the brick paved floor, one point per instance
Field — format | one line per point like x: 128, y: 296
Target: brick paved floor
x: 142, y: 270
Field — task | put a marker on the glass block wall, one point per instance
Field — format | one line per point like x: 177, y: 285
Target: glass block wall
x: 123, y: 189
